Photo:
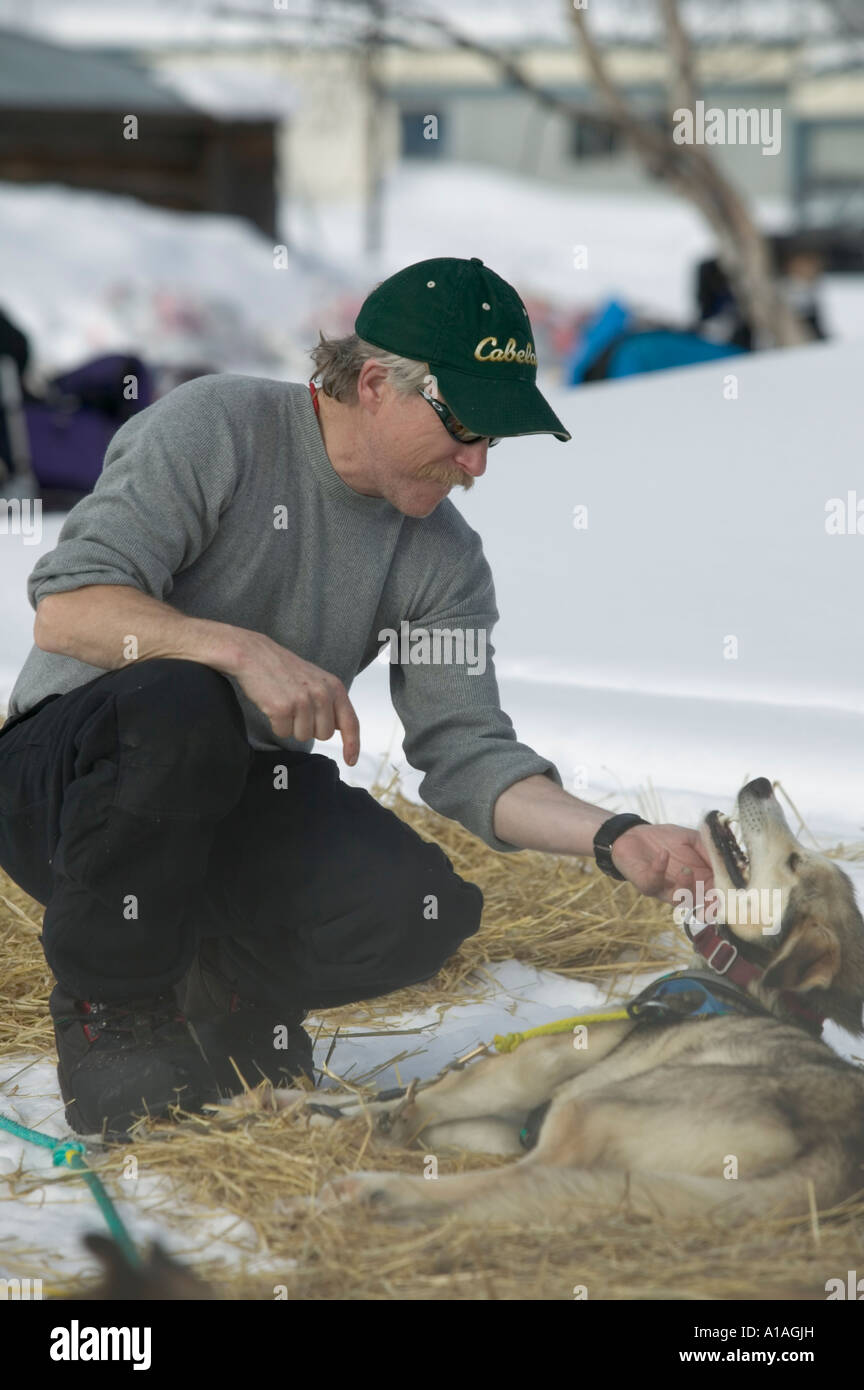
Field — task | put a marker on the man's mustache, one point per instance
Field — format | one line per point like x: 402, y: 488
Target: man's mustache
x: 437, y: 473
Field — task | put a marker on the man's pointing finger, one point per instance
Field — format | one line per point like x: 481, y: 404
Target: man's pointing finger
x: 349, y: 727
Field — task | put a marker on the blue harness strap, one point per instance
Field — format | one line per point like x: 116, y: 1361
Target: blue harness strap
x: 684, y: 994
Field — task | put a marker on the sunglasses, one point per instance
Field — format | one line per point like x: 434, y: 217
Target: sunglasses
x: 453, y: 426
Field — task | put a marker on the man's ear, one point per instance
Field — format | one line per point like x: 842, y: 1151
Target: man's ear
x: 808, y: 959
x: 371, y: 381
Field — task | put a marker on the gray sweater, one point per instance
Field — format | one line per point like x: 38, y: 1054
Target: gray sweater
x: 221, y: 501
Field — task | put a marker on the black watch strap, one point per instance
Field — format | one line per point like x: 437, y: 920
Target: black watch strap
x: 606, y: 837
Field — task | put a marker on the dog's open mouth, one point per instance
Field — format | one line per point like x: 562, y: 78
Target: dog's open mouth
x: 733, y: 854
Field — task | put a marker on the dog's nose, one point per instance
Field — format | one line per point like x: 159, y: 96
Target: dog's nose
x: 760, y: 786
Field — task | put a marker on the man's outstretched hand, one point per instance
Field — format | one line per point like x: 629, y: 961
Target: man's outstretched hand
x: 536, y: 813
x: 658, y: 859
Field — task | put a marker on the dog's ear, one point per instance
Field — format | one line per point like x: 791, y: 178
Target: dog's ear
x: 808, y: 959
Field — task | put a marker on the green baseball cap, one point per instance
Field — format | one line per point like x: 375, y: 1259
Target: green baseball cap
x: 473, y: 330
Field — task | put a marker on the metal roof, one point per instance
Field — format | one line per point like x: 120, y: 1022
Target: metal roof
x: 38, y: 74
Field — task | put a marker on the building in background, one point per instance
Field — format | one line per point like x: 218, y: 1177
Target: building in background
x: 343, y: 77
x: 67, y: 118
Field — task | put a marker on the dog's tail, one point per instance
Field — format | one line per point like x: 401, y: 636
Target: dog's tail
x: 531, y: 1192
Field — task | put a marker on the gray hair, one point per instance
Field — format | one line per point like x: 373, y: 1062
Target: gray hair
x: 338, y: 362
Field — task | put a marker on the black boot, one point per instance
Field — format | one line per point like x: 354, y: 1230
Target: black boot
x: 265, y: 1041
x: 117, y: 1062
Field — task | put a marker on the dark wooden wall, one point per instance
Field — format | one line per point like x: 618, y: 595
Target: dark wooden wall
x: 180, y: 160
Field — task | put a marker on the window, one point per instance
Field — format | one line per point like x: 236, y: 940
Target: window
x: 593, y: 139
x: 422, y: 134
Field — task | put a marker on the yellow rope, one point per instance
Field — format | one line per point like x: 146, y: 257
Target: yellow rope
x: 507, y: 1042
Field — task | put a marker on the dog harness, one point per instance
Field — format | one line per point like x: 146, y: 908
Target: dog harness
x: 679, y: 994
x: 671, y: 997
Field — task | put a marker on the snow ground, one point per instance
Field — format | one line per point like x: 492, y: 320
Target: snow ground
x: 705, y: 520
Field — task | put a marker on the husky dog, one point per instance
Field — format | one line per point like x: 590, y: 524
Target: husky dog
x: 741, y: 1114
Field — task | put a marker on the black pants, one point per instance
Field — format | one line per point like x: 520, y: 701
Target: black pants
x: 136, y: 811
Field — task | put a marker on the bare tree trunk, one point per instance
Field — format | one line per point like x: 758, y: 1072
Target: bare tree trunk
x: 373, y: 97
x: 694, y: 174
x: 689, y: 170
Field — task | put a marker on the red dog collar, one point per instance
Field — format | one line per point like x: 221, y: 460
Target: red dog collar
x: 725, y: 959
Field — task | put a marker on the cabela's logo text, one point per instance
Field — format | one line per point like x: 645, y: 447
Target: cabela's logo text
x: 505, y: 354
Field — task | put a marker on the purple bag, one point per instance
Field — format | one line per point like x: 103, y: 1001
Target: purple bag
x: 67, y: 448
x: 98, y: 385
x: 69, y: 435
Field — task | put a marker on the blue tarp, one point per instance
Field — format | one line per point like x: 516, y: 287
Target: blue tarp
x: 632, y: 350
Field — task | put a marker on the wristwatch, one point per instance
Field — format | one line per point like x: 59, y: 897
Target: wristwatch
x: 606, y: 837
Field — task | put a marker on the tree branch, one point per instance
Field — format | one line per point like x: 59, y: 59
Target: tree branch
x: 690, y: 169
x: 682, y: 78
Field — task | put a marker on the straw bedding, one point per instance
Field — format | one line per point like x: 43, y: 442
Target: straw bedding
x: 555, y: 914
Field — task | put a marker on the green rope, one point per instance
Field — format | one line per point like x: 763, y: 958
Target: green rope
x: 72, y: 1153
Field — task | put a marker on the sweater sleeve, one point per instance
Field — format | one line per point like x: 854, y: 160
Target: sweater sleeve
x: 169, y: 472
x: 455, y: 729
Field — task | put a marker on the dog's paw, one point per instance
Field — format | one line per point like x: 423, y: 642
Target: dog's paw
x: 294, y: 1209
x: 286, y: 1097
x: 384, y: 1193
x: 267, y: 1098
x: 400, y: 1124
x: 352, y: 1188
